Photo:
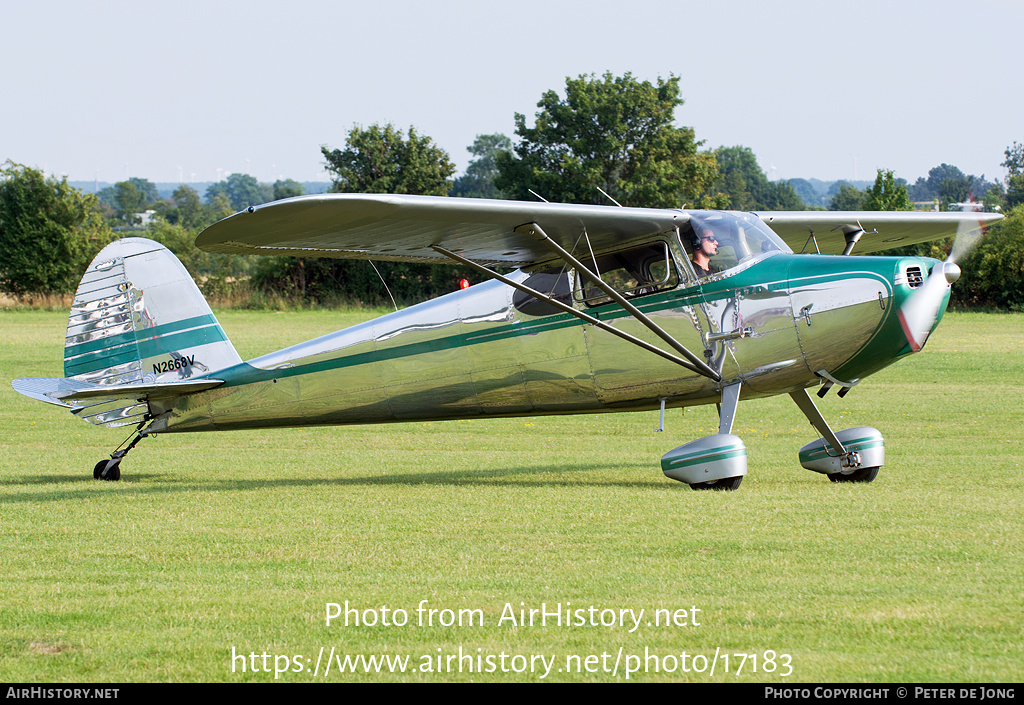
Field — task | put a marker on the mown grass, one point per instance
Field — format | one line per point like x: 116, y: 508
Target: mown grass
x: 215, y: 541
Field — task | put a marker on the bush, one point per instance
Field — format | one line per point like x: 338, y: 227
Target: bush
x: 354, y: 282
x: 49, y: 232
x: 993, y: 275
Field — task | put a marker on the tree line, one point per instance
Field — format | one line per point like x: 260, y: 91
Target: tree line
x: 606, y: 138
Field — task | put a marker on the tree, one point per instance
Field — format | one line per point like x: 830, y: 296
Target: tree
x: 744, y: 182
x: 144, y: 187
x: 845, y: 197
x: 126, y: 199
x: 944, y: 173
x: 739, y: 176
x: 993, y: 274
x: 190, y: 208
x: 920, y: 191
x: 807, y: 192
x: 375, y: 160
x: 49, y: 232
x: 781, y: 196
x: 187, y: 210
x: 381, y: 160
x: 1014, y: 158
x: 615, y: 133
x: 949, y: 184
x: 1015, y: 178
x: 887, y: 194
x: 995, y: 198
x: 953, y: 190
x: 129, y: 201
x: 147, y: 188
x: 241, y: 191
x: 287, y: 188
x: 478, y: 181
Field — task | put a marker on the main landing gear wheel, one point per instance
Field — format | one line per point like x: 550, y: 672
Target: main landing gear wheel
x: 726, y: 483
x: 861, y: 475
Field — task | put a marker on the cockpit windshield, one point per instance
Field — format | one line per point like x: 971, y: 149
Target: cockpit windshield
x: 721, y: 240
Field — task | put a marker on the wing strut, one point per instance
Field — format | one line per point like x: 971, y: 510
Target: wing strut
x: 578, y: 314
x: 535, y: 231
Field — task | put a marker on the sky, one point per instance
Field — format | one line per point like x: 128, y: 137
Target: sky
x: 190, y: 91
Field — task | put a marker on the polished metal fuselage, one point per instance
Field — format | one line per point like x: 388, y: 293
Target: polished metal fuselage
x: 780, y: 319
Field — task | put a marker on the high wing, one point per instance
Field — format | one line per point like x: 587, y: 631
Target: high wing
x: 404, y: 228
x: 882, y: 230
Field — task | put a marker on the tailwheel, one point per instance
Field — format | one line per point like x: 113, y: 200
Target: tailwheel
x: 111, y: 474
x: 111, y: 471
x: 726, y: 483
x: 861, y: 475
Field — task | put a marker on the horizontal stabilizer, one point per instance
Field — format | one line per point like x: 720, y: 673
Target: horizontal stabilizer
x: 106, y: 404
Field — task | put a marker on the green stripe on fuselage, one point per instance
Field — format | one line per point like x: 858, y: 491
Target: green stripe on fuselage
x: 770, y: 274
x: 247, y: 374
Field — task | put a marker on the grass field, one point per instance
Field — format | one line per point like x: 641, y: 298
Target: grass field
x: 215, y: 545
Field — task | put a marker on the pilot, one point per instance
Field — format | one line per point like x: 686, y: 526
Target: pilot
x: 705, y: 247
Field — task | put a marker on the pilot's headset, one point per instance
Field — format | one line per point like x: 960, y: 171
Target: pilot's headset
x: 695, y: 238
x: 689, y: 234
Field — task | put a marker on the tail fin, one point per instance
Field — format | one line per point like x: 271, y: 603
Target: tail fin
x: 139, y: 318
x: 139, y: 327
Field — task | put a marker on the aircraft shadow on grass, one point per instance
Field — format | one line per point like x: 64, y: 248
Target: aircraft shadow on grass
x: 558, y: 476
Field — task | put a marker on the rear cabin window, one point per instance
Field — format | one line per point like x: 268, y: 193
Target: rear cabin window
x: 553, y: 282
x: 635, y: 272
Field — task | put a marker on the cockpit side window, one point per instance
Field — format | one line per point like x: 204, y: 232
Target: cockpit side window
x: 635, y: 272
x: 719, y: 241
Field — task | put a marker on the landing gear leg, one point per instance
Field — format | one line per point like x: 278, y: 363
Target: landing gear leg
x: 716, y: 462
x: 851, y: 455
x: 110, y: 470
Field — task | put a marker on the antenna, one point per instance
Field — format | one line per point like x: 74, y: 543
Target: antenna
x: 384, y: 283
x: 609, y: 197
x: 538, y: 195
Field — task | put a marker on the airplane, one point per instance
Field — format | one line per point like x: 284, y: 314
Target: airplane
x: 599, y: 309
